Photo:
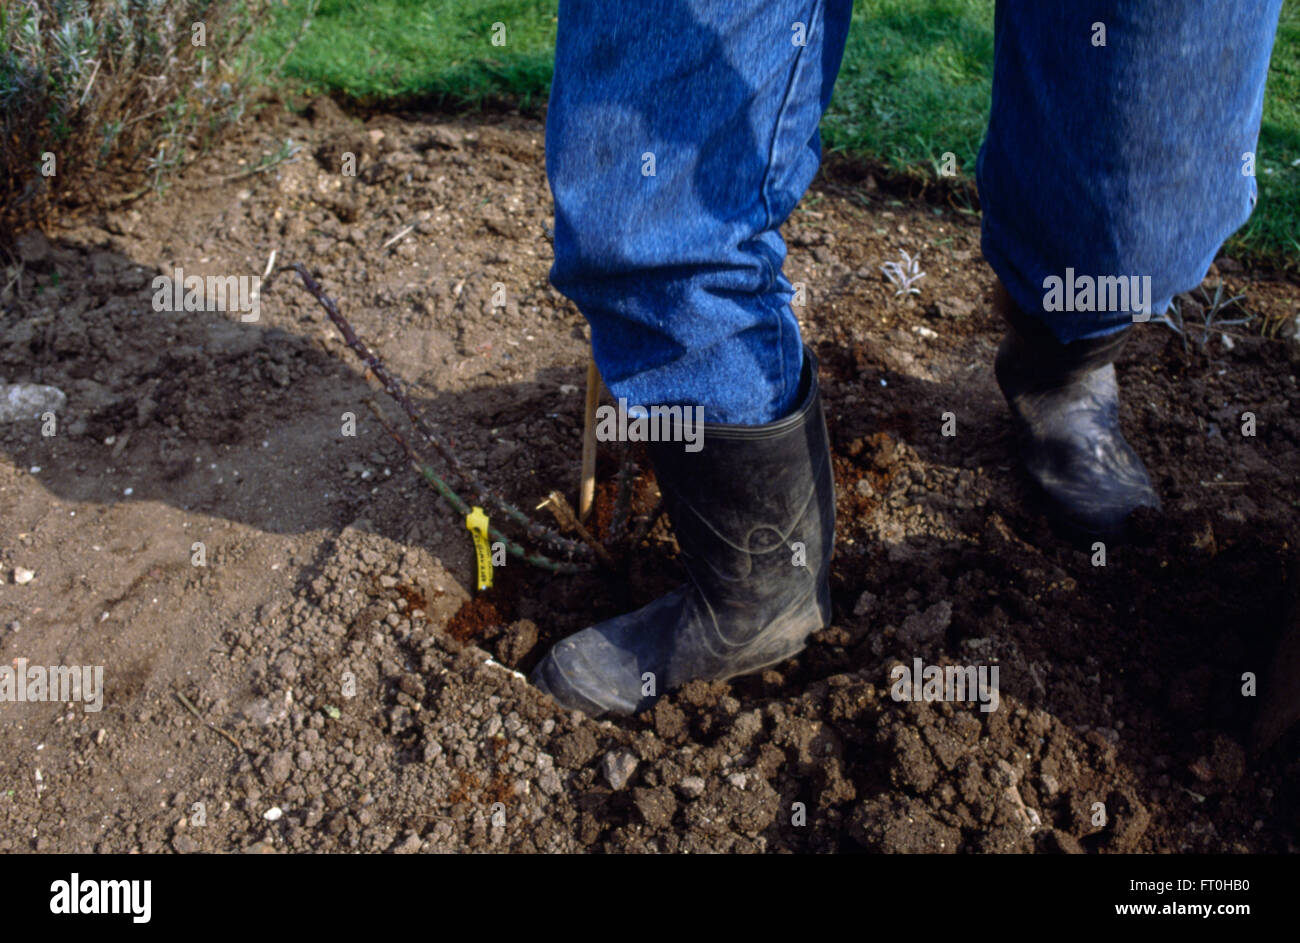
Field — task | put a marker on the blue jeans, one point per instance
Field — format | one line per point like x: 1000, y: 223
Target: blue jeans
x: 682, y: 133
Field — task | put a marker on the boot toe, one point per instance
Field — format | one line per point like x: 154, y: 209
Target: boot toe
x: 589, y: 673
x: 1095, y: 488
x: 1103, y: 515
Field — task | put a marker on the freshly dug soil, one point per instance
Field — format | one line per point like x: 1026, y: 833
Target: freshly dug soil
x: 366, y: 702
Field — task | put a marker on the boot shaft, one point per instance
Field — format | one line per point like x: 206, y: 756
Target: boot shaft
x: 1032, y: 360
x: 754, y: 509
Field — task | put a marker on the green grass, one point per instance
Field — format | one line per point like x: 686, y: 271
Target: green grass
x: 375, y: 51
x: 1273, y: 232
x: 915, y: 82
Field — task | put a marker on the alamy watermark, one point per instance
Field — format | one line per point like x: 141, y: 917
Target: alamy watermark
x: 1103, y: 293
x: 951, y: 683
x: 181, y: 292
x: 78, y: 896
x: 85, y: 683
x: 623, y: 423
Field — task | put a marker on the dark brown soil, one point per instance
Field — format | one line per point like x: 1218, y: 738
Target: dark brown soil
x: 377, y: 708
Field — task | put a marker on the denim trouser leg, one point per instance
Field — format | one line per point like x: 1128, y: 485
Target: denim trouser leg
x: 1122, y: 159
x: 680, y: 135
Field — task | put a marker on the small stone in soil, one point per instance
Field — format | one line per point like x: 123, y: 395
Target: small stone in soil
x: 618, y: 766
x: 692, y: 787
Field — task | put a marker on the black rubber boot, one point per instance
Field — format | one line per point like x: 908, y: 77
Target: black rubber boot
x: 1065, y: 404
x: 754, y: 515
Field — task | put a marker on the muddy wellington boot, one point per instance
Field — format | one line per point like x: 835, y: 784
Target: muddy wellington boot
x: 754, y: 515
x: 1065, y: 405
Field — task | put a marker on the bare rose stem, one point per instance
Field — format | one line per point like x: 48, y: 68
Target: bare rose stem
x: 393, y: 387
x: 459, y: 505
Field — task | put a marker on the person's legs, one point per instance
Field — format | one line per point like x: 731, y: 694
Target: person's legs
x: 679, y: 274
x: 1119, y: 159
x: 680, y: 135
x: 1111, y: 173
